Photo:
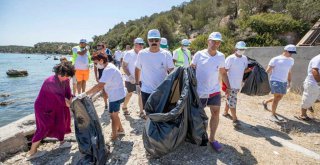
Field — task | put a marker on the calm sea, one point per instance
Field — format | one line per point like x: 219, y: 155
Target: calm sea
x: 22, y: 90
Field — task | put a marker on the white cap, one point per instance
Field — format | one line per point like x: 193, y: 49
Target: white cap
x: 163, y: 41
x: 138, y: 41
x: 216, y: 36
x: 83, y: 41
x: 291, y: 49
x: 185, y: 42
x: 241, y: 45
x: 154, y: 33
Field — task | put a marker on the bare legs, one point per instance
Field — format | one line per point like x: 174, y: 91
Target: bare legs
x: 214, y: 121
x: 116, y: 125
x: 81, y: 86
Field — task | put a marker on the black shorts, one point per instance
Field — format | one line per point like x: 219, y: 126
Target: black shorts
x: 130, y: 87
x: 144, y: 98
x: 214, y: 101
x: 100, y: 73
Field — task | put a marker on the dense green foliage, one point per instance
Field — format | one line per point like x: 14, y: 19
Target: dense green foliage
x: 258, y: 22
x: 42, y: 47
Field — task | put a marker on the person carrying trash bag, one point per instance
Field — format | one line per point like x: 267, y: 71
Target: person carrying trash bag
x: 279, y: 69
x: 169, y: 108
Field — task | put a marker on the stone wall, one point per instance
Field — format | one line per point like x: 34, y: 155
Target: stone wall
x: 299, y: 72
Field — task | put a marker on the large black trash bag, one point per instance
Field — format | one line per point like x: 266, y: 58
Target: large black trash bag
x: 256, y: 82
x: 168, y: 110
x: 198, y: 120
x: 89, y: 133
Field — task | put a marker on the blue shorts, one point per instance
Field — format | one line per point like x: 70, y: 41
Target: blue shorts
x: 214, y: 101
x: 115, y: 105
x: 278, y: 87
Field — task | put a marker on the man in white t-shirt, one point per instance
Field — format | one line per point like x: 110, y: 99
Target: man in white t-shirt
x: 118, y: 57
x: 182, y: 55
x: 311, y: 92
x: 128, y: 66
x: 236, y: 66
x: 112, y: 83
x: 209, y: 63
x: 279, y: 69
x: 153, y: 64
x: 81, y: 59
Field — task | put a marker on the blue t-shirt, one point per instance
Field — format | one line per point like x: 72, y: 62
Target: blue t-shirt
x: 108, y: 51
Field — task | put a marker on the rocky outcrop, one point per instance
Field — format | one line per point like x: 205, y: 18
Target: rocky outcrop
x: 17, y: 73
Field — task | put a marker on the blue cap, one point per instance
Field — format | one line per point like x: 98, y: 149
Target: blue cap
x: 215, y: 36
x: 241, y: 45
x: 83, y: 41
x: 291, y: 49
x: 138, y: 41
x: 154, y: 33
x: 185, y: 42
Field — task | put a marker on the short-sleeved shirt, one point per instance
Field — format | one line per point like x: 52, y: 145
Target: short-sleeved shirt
x: 118, y: 55
x: 185, y: 55
x: 154, y: 68
x: 108, y: 52
x: 236, y: 66
x: 82, y: 61
x: 313, y: 64
x: 130, y: 58
x: 281, y: 67
x: 112, y: 78
x: 207, y: 72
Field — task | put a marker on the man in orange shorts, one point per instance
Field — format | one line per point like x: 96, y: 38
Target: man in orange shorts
x: 81, y: 59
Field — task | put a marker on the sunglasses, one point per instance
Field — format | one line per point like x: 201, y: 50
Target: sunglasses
x: 99, y: 45
x: 141, y: 44
x: 154, y: 40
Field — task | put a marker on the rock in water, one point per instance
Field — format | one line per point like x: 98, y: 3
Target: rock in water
x: 17, y: 73
x: 5, y: 103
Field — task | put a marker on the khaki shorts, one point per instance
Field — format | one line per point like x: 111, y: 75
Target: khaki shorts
x: 82, y: 75
x: 310, y: 95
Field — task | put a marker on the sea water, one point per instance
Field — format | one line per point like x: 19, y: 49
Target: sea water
x: 22, y: 91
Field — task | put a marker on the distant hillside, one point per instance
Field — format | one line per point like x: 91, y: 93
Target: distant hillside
x: 259, y: 23
x: 42, y: 47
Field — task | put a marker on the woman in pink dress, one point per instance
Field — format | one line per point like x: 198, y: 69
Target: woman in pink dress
x: 52, y: 108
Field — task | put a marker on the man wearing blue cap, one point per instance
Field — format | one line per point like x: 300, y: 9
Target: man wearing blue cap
x: 279, y: 69
x: 153, y: 64
x: 209, y: 64
x: 182, y: 56
x: 128, y: 65
x: 236, y: 66
x: 81, y: 59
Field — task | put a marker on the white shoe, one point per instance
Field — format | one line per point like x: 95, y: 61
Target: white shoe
x: 36, y: 155
x: 65, y: 145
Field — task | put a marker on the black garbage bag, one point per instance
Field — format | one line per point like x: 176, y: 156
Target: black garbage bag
x: 256, y: 82
x: 168, y: 110
x: 88, y: 132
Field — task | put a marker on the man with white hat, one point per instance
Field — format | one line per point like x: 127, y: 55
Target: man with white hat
x: 236, y: 66
x: 153, y: 64
x: 164, y: 43
x: 182, y: 56
x: 209, y: 64
x: 311, y: 91
x: 81, y: 59
x: 118, y: 57
x: 128, y: 65
x: 279, y: 69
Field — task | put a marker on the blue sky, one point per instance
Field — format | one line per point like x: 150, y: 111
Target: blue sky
x: 27, y: 22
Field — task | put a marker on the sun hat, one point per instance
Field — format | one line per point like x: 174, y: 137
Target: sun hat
x: 215, y: 36
x: 154, y: 33
x: 185, y: 42
x: 241, y: 45
x: 291, y: 49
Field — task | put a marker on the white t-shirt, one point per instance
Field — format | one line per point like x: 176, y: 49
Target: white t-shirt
x: 207, y: 72
x: 111, y: 75
x: 99, y: 66
x: 118, y: 55
x: 236, y: 66
x: 82, y: 61
x: 185, y: 55
x: 314, y: 63
x: 130, y: 58
x: 154, y: 68
x: 281, y: 67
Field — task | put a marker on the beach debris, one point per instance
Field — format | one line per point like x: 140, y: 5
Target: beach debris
x: 5, y: 103
x: 17, y: 73
x: 55, y: 58
x: 4, y: 95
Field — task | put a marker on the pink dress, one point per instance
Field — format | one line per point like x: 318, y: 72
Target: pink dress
x: 52, y: 114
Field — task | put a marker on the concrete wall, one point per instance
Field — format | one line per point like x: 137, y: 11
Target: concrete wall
x: 299, y: 72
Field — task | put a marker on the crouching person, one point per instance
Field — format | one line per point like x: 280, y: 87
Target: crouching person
x: 112, y: 83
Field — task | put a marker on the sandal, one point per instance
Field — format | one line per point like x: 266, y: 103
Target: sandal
x: 265, y: 106
x: 216, y: 146
x: 142, y: 116
x: 227, y: 115
x: 125, y: 111
x: 303, y: 118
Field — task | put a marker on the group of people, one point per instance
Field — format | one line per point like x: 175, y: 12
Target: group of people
x: 144, y: 70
